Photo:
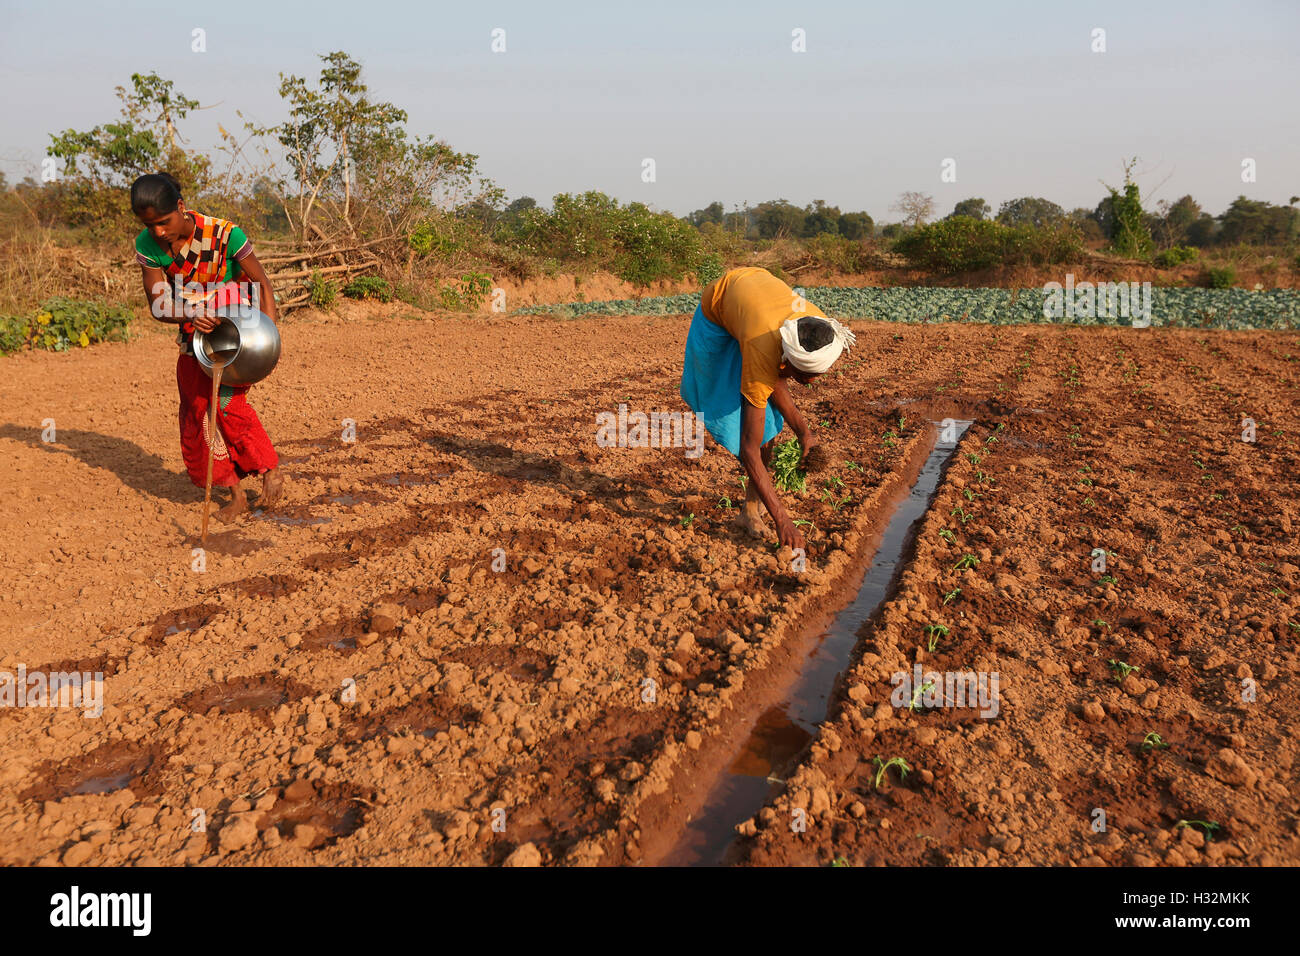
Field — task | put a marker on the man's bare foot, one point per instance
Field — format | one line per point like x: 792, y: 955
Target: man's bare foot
x: 753, y: 522
x: 238, y: 505
x: 272, y: 483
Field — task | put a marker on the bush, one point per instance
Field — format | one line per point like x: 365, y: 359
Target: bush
x: 369, y: 287
x: 1223, y: 277
x: 1176, y: 256
x: 60, y: 323
x: 632, y: 241
x: 963, y: 244
x: 838, y: 253
x: 709, y: 267
x: 472, y: 292
x: 321, y: 291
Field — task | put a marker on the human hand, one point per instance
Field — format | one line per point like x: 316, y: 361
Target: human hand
x: 789, y: 534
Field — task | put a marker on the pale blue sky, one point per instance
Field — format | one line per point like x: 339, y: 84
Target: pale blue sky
x: 712, y: 91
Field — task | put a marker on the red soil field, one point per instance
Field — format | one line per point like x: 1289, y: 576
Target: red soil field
x: 437, y: 649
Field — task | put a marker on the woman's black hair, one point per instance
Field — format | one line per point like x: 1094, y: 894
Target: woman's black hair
x: 814, y: 333
x: 158, y: 191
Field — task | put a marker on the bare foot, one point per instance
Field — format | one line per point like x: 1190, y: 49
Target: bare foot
x: 238, y: 505
x: 272, y: 483
x: 753, y: 522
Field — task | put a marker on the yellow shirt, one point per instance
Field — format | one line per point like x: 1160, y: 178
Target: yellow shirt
x: 751, y: 304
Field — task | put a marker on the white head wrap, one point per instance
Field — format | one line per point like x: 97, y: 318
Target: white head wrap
x: 818, y: 360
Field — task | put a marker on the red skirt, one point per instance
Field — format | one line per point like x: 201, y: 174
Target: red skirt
x: 242, y: 445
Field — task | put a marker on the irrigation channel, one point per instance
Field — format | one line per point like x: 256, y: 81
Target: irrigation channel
x: 781, y: 733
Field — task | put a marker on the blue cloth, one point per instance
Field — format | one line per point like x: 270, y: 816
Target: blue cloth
x: 711, y: 384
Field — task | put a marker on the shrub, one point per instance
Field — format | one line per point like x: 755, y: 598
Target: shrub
x: 472, y: 292
x: 1176, y: 256
x: 369, y: 287
x: 963, y: 244
x: 1223, y: 277
x: 836, y: 252
x: 60, y: 323
x: 321, y: 291
x: 634, y: 242
x: 709, y: 267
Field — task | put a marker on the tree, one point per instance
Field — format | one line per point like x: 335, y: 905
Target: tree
x: 820, y: 218
x: 350, y: 156
x: 1257, y: 222
x: 100, y: 163
x: 778, y: 219
x: 1130, y: 235
x: 1030, y: 211
x: 856, y: 225
x: 711, y: 213
x: 972, y: 208
x: 915, y: 208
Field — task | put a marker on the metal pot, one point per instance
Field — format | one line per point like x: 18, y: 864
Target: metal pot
x: 253, y: 338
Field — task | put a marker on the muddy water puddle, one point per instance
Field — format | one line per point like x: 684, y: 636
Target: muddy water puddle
x: 106, y: 769
x: 781, y: 733
x: 259, y: 692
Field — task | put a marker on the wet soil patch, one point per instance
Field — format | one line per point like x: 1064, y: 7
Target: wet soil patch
x: 108, y: 768
x: 258, y: 692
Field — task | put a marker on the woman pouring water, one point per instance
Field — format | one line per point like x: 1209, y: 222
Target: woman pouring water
x: 193, y: 265
x: 750, y: 333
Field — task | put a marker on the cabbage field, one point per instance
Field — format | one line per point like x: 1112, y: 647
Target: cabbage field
x: 1277, y: 309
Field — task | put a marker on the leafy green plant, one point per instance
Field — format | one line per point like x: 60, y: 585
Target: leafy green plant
x: 1176, y: 256
x: 1121, y: 669
x: 966, y: 561
x: 1208, y: 827
x: 321, y: 291
x: 785, y: 466
x: 1222, y: 277
x: 933, y: 633
x: 918, y: 693
x: 687, y: 521
x: 947, y: 536
x: 882, y: 767
x: 369, y: 287
x: 951, y: 596
x: 60, y: 323
x: 1152, y: 741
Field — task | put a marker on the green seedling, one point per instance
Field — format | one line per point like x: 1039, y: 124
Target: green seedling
x: 801, y: 522
x: 916, y: 695
x: 974, y: 459
x: 966, y: 561
x: 686, y: 522
x: 960, y: 514
x: 1153, y: 742
x: 1101, y: 624
x: 1121, y: 669
x: 725, y: 503
x: 951, y: 596
x: 947, y: 536
x: 882, y: 766
x: 1208, y: 827
x: 970, y: 495
x: 839, y: 861
x: 852, y: 466
x: 935, y: 631
x: 786, y: 473
x: 1106, y: 579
